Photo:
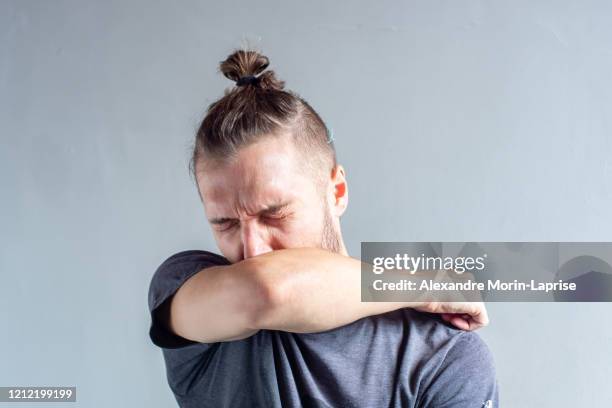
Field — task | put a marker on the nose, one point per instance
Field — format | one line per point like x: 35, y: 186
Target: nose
x: 254, y: 240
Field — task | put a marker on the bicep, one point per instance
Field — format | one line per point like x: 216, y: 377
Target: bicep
x: 215, y: 304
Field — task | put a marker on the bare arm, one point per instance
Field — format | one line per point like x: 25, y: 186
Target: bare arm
x: 296, y: 290
x: 316, y: 290
x: 219, y: 303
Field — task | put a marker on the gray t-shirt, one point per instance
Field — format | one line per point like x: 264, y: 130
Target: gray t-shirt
x: 402, y: 358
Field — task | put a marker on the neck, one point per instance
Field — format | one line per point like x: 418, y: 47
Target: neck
x: 342, y: 248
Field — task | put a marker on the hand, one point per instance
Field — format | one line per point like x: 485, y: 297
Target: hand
x: 467, y: 316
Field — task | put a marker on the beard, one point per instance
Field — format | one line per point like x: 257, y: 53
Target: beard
x: 330, y: 239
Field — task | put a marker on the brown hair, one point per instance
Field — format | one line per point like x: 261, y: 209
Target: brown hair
x: 259, y: 106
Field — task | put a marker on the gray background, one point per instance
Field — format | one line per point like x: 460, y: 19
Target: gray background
x: 456, y: 121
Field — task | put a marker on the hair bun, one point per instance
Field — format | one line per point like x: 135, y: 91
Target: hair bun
x: 248, y: 63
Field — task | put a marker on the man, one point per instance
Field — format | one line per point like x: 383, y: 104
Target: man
x: 277, y: 320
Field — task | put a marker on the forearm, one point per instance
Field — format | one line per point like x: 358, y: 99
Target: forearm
x: 316, y: 290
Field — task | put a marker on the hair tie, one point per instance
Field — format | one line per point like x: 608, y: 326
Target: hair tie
x: 247, y: 80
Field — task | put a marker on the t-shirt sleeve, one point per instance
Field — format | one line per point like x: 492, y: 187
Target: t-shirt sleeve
x: 168, y: 277
x: 465, y: 378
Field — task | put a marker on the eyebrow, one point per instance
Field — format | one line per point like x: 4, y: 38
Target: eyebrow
x: 270, y: 209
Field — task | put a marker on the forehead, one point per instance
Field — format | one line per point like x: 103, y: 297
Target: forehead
x: 265, y: 173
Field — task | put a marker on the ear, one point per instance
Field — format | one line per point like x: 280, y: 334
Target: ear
x: 340, y: 191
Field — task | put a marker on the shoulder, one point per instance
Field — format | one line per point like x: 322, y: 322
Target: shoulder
x: 179, y: 267
x: 192, y: 256
x: 183, y: 263
x: 458, y: 365
x: 169, y: 276
x: 424, y: 330
x: 445, y: 339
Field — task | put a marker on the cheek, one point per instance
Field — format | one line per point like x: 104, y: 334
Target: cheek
x: 229, y: 245
x: 305, y: 231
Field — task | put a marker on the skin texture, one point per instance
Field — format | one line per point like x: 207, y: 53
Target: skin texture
x: 279, y: 225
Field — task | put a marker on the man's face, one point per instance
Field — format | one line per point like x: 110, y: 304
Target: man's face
x: 264, y: 200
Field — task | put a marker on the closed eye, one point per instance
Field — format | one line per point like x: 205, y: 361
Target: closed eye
x: 271, y: 214
x: 275, y: 216
x: 276, y: 212
x: 225, y: 224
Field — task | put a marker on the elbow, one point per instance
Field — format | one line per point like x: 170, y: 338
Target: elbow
x: 267, y: 299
